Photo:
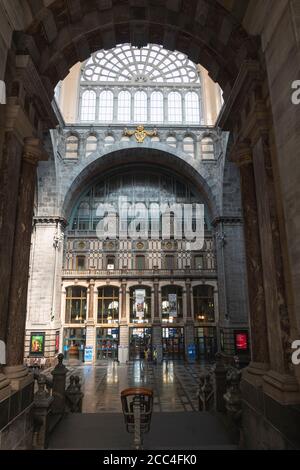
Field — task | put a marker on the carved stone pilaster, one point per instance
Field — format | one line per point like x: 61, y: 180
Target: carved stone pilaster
x: 32, y: 154
x: 241, y: 154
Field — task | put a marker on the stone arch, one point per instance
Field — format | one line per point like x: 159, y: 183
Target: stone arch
x: 135, y: 156
x: 62, y: 34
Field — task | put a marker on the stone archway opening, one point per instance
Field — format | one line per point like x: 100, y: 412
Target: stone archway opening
x: 51, y: 40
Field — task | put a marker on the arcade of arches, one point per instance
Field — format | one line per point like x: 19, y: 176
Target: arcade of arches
x: 183, y: 102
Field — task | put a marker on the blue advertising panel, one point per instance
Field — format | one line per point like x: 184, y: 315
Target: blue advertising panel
x: 88, y: 354
x: 191, y: 352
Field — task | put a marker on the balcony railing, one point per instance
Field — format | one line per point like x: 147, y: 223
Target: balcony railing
x: 100, y: 273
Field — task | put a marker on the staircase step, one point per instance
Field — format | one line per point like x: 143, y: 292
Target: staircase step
x: 107, y: 431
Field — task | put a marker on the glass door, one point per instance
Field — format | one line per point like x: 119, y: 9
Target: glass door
x: 107, y: 343
x: 173, y: 343
x: 74, y: 343
x: 140, y: 340
x: 206, y: 343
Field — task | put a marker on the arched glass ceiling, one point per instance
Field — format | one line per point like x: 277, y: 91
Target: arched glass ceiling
x: 152, y: 63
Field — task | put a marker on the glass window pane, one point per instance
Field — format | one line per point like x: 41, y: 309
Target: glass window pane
x: 140, y: 107
x: 157, y: 107
x: 106, y: 105
x: 124, y: 106
x: 88, y: 106
x: 192, y: 108
x: 174, y: 107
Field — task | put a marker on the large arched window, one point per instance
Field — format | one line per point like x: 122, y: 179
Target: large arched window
x: 140, y: 304
x: 127, y: 63
x: 192, y: 112
x: 204, y: 309
x: 157, y: 107
x: 108, y: 304
x: 124, y: 106
x: 72, y: 144
x: 145, y: 75
x: 76, y: 304
x: 171, y: 303
x: 106, y: 106
x: 88, y: 106
x: 140, y: 107
x: 174, y: 107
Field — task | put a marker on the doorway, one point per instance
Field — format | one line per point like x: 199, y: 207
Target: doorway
x: 173, y: 343
x: 107, y: 342
x: 140, y: 339
x: 206, y: 343
x: 74, y: 344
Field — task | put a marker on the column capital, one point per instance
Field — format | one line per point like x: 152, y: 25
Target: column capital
x: 241, y: 153
x: 33, y: 151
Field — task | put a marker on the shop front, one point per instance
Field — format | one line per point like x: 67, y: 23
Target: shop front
x: 107, y: 342
x: 74, y: 340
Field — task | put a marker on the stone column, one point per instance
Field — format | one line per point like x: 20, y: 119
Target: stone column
x: 278, y: 383
x: 91, y: 301
x: 258, y: 321
x: 189, y: 324
x: 10, y: 165
x: 15, y: 370
x: 188, y: 300
x: 90, y: 324
x: 123, y: 301
x: 124, y: 330
x: 156, y: 328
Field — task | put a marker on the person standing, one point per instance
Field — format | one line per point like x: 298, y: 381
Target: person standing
x: 154, y: 355
x: 146, y: 354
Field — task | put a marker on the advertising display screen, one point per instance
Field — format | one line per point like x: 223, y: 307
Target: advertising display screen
x: 37, y: 344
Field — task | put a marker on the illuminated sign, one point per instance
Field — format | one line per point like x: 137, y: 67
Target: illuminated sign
x: 241, y: 340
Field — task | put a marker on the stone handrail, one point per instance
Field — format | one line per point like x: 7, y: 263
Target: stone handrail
x: 52, y: 400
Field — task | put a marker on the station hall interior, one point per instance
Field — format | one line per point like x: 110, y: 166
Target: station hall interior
x: 149, y: 222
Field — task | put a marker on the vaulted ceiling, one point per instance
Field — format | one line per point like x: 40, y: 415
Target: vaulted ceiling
x: 62, y: 32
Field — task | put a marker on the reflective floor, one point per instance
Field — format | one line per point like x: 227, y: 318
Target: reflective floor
x: 174, y: 384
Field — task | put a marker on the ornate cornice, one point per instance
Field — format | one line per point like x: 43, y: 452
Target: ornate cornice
x: 241, y: 153
x: 33, y: 152
x: 50, y: 220
x: 16, y: 120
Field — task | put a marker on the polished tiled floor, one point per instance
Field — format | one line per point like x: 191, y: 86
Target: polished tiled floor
x: 174, y: 384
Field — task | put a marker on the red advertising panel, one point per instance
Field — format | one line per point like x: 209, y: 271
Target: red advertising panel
x: 241, y: 341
